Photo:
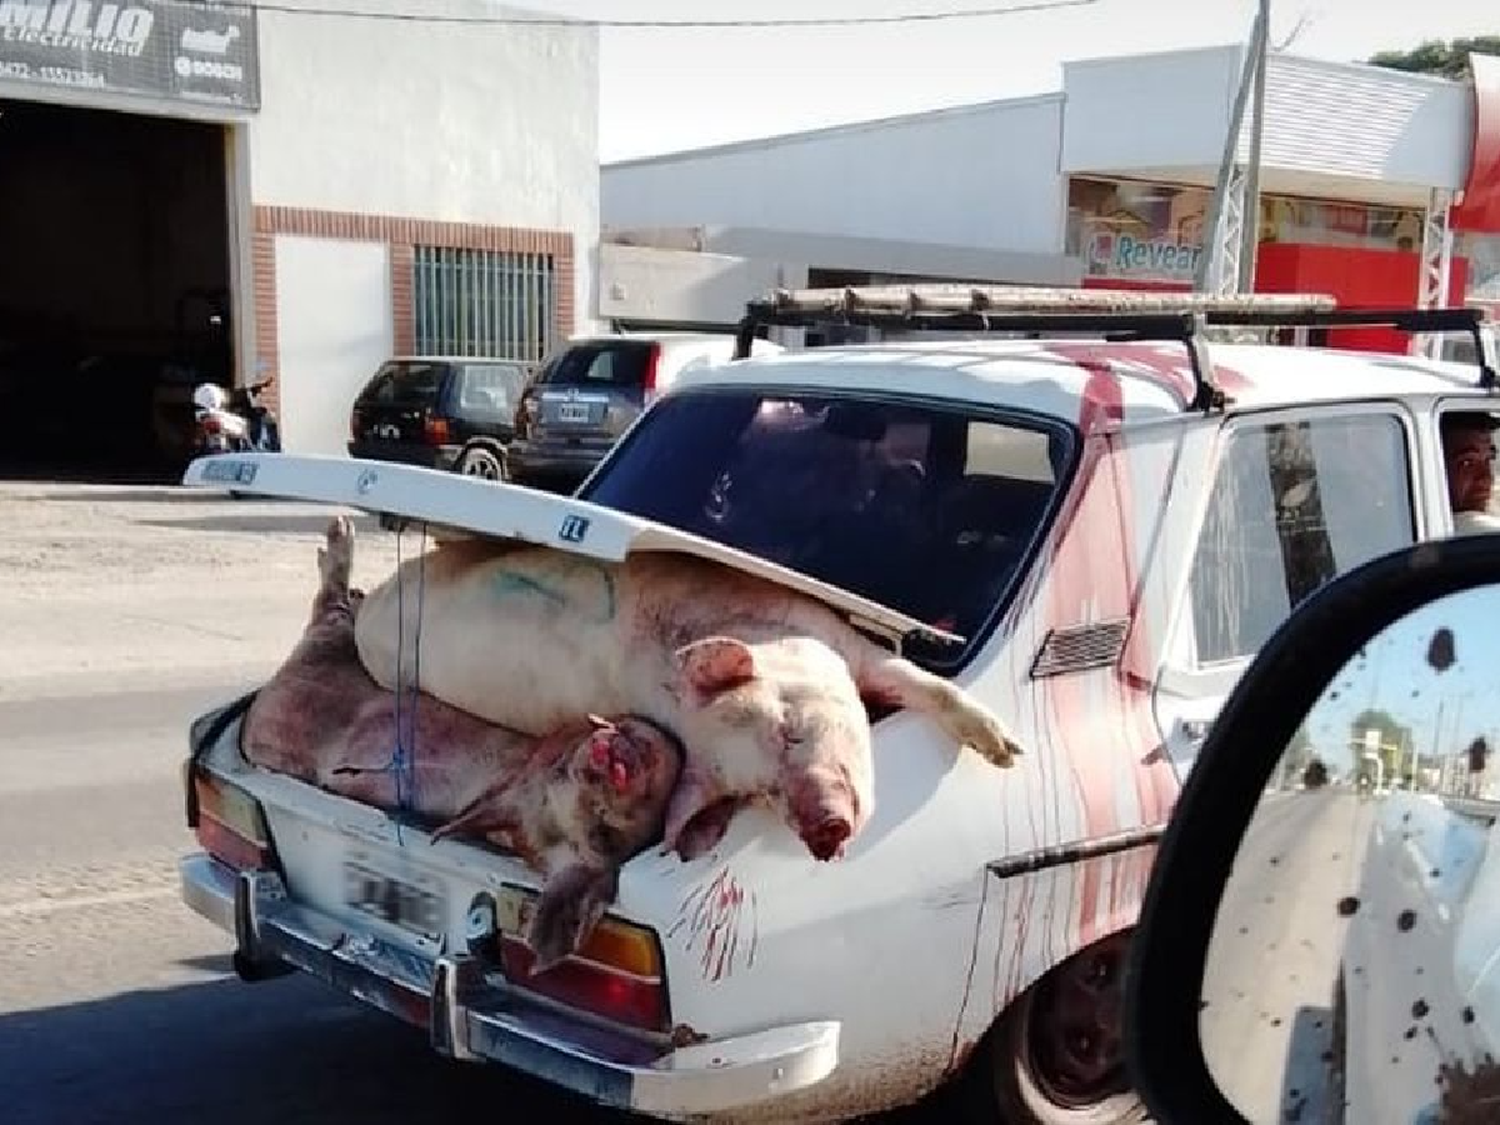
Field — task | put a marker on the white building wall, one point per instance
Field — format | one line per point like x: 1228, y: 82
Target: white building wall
x: 979, y: 176
x: 685, y: 286
x: 1165, y: 110
x: 469, y: 123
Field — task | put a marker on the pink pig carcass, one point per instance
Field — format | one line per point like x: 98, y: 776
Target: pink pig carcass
x: 762, y: 685
x: 573, y: 805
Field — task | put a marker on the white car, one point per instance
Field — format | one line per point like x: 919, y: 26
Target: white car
x: 1112, y: 527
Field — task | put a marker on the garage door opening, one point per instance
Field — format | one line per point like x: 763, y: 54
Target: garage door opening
x: 114, y: 291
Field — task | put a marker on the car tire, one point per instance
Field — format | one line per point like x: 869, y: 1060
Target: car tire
x: 1022, y: 1072
x: 482, y: 462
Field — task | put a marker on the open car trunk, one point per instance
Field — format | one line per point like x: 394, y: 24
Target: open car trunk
x: 362, y: 896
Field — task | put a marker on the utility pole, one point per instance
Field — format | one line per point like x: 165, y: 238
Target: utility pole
x: 1250, y: 227
x: 1232, y: 234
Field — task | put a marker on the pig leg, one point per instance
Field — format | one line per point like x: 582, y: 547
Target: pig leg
x: 573, y: 900
x: 892, y: 679
x: 335, y: 567
x: 315, y: 693
x: 487, y: 815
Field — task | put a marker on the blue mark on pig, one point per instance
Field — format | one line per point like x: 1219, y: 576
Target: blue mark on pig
x: 509, y: 583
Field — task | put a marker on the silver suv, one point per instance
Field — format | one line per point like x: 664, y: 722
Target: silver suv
x: 590, y: 391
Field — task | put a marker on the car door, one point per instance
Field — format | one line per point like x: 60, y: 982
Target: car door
x: 1297, y: 497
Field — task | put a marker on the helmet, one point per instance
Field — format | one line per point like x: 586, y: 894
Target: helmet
x: 209, y: 396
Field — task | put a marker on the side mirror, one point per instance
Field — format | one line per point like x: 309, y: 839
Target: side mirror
x: 1320, y: 939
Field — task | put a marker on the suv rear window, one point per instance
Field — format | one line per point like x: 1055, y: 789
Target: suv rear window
x: 603, y: 365
x: 406, y: 382
x: 490, y: 387
x: 931, y: 511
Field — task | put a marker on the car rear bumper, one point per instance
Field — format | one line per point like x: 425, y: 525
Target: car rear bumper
x: 556, y: 460
x: 471, y: 1017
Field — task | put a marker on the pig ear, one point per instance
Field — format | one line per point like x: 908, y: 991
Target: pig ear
x: 716, y: 664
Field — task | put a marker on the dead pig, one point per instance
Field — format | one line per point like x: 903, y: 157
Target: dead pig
x: 574, y: 804
x: 762, y: 684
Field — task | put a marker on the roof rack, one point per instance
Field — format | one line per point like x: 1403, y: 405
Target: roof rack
x: 1113, y: 314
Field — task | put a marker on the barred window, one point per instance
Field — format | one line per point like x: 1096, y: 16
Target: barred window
x: 484, y: 303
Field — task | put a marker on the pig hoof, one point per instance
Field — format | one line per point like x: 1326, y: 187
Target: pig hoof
x: 336, y: 563
x: 988, y: 738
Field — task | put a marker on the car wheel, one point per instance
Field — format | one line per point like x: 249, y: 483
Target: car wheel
x: 482, y: 463
x: 1057, y: 1055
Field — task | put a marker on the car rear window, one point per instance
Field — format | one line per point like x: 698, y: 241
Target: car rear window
x: 604, y: 365
x: 406, y: 382
x: 928, y: 510
x: 491, y: 387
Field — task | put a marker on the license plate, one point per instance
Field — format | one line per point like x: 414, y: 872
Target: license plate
x: 513, y: 909
x: 414, y: 904
x: 574, y: 412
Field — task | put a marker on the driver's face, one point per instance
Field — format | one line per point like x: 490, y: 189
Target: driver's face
x: 1470, y: 457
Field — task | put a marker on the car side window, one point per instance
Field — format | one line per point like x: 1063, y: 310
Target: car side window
x: 1296, y: 502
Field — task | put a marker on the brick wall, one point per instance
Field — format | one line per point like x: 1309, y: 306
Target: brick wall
x: 402, y: 236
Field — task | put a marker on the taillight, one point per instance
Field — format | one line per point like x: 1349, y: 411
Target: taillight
x: 653, y: 372
x: 435, y: 430
x: 230, y: 824
x: 617, y: 974
x: 526, y: 412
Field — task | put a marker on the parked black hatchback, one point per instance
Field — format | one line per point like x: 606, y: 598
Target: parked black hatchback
x: 442, y: 412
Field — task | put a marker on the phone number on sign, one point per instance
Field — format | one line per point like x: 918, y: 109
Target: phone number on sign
x: 62, y: 75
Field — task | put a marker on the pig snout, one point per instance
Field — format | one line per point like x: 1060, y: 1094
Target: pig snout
x: 625, y: 756
x: 826, y: 840
x: 823, y: 813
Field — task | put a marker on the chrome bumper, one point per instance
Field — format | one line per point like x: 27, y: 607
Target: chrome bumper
x: 471, y: 1018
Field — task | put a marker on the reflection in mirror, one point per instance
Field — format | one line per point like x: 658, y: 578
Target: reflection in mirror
x: 1353, y: 973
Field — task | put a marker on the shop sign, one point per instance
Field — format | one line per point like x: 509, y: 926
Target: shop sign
x: 1136, y: 231
x: 195, y: 52
x: 1127, y: 256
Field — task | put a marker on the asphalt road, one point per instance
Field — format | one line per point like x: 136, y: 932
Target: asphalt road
x: 1268, y: 989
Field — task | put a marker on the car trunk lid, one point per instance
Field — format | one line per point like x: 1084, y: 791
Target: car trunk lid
x: 507, y: 511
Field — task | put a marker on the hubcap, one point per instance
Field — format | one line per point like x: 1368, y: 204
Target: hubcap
x: 1074, y: 1043
x: 480, y: 467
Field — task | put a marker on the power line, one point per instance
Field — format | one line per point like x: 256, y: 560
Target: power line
x: 559, y: 21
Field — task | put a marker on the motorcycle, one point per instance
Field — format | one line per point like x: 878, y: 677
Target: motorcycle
x: 234, y: 421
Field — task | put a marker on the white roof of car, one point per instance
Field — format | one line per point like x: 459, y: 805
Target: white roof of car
x: 1135, y: 381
